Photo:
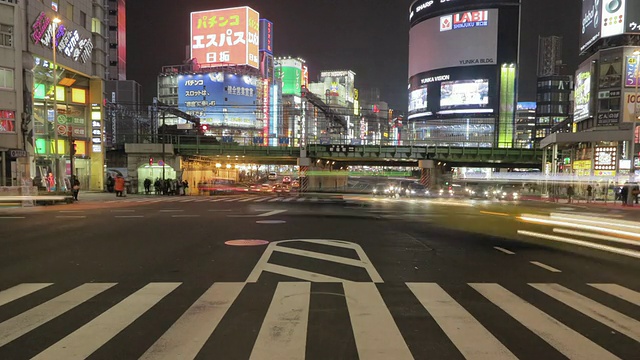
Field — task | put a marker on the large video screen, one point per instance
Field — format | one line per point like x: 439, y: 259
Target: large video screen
x: 459, y: 39
x: 582, y: 93
x: 464, y: 93
x: 418, y: 100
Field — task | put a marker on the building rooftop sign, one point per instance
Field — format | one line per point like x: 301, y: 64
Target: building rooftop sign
x: 68, y: 42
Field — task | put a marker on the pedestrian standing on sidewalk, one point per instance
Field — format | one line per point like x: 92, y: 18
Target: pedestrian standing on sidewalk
x: 589, y: 193
x: 75, y: 188
x: 570, y: 193
x: 119, y: 186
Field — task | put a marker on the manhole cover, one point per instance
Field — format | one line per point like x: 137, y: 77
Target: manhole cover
x: 270, y: 222
x: 246, y: 242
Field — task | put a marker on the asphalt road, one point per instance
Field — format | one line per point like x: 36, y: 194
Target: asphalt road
x: 365, y: 278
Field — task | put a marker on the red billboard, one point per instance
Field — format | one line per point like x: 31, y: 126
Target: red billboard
x: 225, y: 36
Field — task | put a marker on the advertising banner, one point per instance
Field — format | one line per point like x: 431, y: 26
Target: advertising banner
x: 290, y: 72
x: 225, y: 36
x: 335, y: 80
x: 266, y: 36
x: 590, y: 23
x: 608, y: 118
x: 631, y: 106
x: 424, y: 9
x: 418, y: 100
x: 460, y: 39
x: 463, y: 93
x: 219, y: 99
x: 633, y: 17
x: 582, y: 93
x: 613, y: 17
x: 631, y: 71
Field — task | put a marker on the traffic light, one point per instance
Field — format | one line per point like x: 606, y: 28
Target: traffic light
x: 150, y: 161
x: 73, y: 148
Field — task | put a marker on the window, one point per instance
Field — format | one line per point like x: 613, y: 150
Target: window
x: 6, y: 78
x: 6, y: 35
x: 96, y: 26
x: 7, y: 121
x: 70, y: 11
x: 83, y: 19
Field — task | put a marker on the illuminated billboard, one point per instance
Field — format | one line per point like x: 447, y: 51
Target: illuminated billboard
x: 418, y: 100
x: 582, y: 93
x: 424, y: 9
x: 337, y: 79
x: 460, y: 39
x: 290, y: 72
x: 219, y: 99
x: 225, y: 36
x: 631, y: 71
x: 266, y: 36
x: 606, y: 18
x: 464, y: 93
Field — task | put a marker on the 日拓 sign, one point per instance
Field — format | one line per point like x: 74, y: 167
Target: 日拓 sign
x: 68, y: 42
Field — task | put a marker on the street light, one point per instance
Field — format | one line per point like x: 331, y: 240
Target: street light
x: 56, y: 157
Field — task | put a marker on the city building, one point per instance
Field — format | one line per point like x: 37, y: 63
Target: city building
x: 126, y: 118
x: 117, y: 54
x: 550, y: 56
x: 603, y: 142
x: 462, y: 72
x: 525, y: 125
x: 52, y: 67
x: 553, y: 104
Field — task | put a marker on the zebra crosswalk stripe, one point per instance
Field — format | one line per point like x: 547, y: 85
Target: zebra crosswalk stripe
x: 247, y: 199
x: 620, y: 292
x: 90, y: 337
x: 376, y: 333
x: 459, y: 324
x: 21, y: 324
x: 569, y: 342
x: 283, y: 333
x: 609, y: 317
x: 187, y: 335
x: 18, y: 291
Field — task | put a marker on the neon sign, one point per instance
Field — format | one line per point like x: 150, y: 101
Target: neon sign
x: 68, y: 42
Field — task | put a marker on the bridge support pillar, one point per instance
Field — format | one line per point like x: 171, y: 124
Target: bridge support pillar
x: 427, y: 168
x: 303, y: 165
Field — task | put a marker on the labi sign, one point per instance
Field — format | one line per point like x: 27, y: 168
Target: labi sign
x: 590, y: 31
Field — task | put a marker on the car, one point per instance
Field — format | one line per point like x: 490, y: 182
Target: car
x: 266, y: 188
x: 295, y: 184
x: 282, y: 190
x: 272, y: 176
x: 255, y: 188
x: 286, y: 180
x: 379, y: 189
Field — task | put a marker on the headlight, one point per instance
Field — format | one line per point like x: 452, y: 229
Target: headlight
x: 375, y: 190
x: 486, y: 193
x: 413, y: 191
x: 426, y: 192
x: 504, y: 194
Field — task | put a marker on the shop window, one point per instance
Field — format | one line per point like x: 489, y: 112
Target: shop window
x: 7, y: 121
x: 78, y: 95
x: 6, y: 78
x: 81, y: 148
x: 6, y: 35
x: 39, y: 91
x: 60, y: 93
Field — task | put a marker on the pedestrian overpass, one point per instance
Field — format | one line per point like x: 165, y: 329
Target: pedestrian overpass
x: 407, y: 154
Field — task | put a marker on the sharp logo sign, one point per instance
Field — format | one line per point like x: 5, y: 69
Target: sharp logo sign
x: 468, y: 19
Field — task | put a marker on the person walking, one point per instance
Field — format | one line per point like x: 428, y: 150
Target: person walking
x: 185, y: 187
x: 589, y: 193
x: 570, y: 193
x: 147, y: 186
x: 119, y: 186
x: 75, y: 188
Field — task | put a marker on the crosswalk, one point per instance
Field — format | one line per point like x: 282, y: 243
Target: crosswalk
x: 226, y: 199
x: 53, y: 321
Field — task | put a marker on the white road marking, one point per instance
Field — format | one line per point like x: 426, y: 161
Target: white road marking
x: 247, y: 199
x: 270, y: 222
x: 231, y: 200
x: 219, y: 210
x: 504, y: 250
x: 570, y: 343
x: 459, y: 325
x: 71, y: 216
x: 274, y: 199
x: 597, y: 236
x: 283, y: 334
x: 213, y: 200
x: 188, y: 334
x: 618, y: 291
x: 12, y: 217
x: 287, y: 199
x: 319, y: 256
x: 609, y: 317
x: 314, y: 199
x: 71, y: 211
x: 262, y: 199
x: 301, y: 199
x: 18, y: 291
x: 185, y: 216
x: 21, y: 324
x: 615, y: 250
x: 271, y: 213
x: 122, y: 210
x: 90, y: 337
x: 545, y: 266
x: 376, y: 334
x: 128, y: 216
x: 171, y: 210
x: 264, y: 265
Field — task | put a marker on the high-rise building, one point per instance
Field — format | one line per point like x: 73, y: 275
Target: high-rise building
x: 549, y: 55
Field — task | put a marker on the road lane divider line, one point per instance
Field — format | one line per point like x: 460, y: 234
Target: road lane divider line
x: 597, y: 236
x: 508, y: 252
x: 128, y: 216
x: 619, y: 292
x: 83, y: 342
x: 71, y: 216
x: 283, y: 334
x: 170, y: 210
x: 545, y: 266
x: 459, y: 325
x: 494, y: 213
x: 185, y: 216
x: 71, y: 211
x: 23, y: 323
x: 567, y: 341
x: 263, y: 199
x: 611, y: 249
x: 248, y: 199
x: 122, y: 210
x: 188, y: 334
x: 376, y: 334
x: 12, y: 217
x: 219, y: 210
x: 609, y: 317
x: 18, y: 291
x: 271, y: 213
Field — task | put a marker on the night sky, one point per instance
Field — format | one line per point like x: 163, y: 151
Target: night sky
x: 369, y: 37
